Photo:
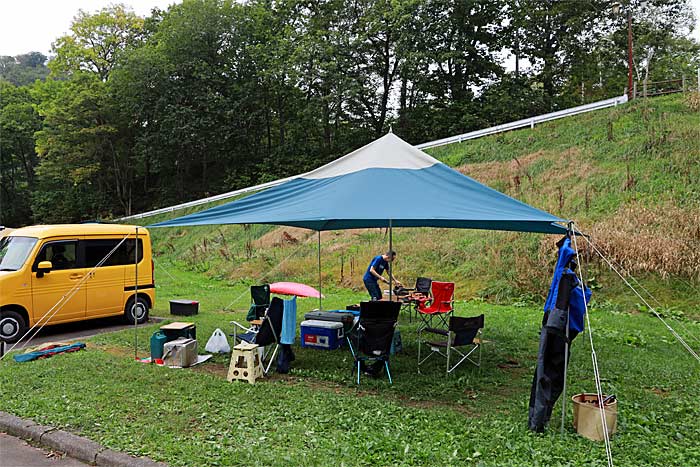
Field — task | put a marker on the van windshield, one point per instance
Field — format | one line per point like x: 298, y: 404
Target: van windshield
x: 14, y: 252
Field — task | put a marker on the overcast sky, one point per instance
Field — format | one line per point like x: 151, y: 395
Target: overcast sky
x: 32, y: 25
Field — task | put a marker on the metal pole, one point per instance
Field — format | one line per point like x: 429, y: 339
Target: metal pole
x: 566, y: 368
x: 320, y: 303
x: 136, y: 297
x: 391, y: 273
x: 629, y: 55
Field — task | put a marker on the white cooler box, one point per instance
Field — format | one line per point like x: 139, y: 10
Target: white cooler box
x: 326, y: 335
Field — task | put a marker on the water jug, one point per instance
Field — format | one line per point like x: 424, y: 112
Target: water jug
x: 158, y: 339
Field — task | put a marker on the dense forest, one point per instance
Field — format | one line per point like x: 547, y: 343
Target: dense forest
x: 132, y: 113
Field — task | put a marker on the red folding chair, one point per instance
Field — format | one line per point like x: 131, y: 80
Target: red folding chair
x: 440, y: 306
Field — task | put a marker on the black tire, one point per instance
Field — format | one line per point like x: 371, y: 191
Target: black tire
x: 142, y: 310
x: 12, y: 326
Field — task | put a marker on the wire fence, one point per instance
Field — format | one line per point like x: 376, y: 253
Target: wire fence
x: 660, y: 88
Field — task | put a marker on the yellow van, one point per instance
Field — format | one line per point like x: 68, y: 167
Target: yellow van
x: 61, y: 273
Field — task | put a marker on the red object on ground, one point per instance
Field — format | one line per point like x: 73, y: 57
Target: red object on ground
x: 294, y: 288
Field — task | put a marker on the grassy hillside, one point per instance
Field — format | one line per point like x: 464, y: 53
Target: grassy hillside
x: 628, y: 175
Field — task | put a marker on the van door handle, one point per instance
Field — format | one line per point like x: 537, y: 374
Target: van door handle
x: 75, y: 276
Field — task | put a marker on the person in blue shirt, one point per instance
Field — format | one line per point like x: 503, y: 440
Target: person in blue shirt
x: 374, y: 272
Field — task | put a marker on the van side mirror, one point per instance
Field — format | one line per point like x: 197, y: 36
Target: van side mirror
x: 42, y: 268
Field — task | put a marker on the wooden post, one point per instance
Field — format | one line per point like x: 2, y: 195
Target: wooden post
x: 634, y: 93
x: 683, y: 81
x: 644, y: 88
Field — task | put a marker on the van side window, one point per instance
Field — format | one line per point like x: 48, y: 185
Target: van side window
x: 97, y: 250
x: 61, y: 254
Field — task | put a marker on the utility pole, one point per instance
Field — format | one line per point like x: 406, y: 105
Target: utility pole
x: 630, y: 95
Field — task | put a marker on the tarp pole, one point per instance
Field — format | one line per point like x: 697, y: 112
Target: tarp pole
x: 134, y: 307
x: 566, y: 350
x: 566, y: 368
x: 391, y: 272
x: 320, y: 303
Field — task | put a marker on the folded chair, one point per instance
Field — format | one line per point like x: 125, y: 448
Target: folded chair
x: 260, y: 297
x: 375, y: 333
x: 440, y: 305
x: 463, y: 338
x: 268, y: 333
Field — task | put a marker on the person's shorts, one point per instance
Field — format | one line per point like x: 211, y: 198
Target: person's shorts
x: 373, y: 288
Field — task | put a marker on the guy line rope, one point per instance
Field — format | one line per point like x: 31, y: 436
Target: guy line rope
x: 596, y: 370
x: 653, y: 310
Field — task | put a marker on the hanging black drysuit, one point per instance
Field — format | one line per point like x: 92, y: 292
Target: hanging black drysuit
x: 564, y: 304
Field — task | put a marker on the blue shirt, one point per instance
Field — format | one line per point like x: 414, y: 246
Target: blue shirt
x: 379, y: 264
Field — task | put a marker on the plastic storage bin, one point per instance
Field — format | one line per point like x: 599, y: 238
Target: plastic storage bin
x: 184, y: 307
x: 326, y: 335
x: 348, y: 319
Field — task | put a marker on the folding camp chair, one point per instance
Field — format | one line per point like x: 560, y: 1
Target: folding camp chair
x: 461, y: 333
x: 440, y: 305
x: 268, y: 333
x: 375, y: 333
x: 260, y: 297
x: 420, y: 293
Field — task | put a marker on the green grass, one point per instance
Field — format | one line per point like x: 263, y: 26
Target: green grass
x: 316, y: 415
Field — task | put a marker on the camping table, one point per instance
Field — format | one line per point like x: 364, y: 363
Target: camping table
x: 179, y: 329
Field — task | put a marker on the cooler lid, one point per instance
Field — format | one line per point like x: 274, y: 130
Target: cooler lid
x: 315, y: 323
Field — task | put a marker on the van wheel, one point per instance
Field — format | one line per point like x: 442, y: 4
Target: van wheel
x: 12, y: 326
x: 136, y: 310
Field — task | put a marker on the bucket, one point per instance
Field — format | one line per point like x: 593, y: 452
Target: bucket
x: 587, y: 420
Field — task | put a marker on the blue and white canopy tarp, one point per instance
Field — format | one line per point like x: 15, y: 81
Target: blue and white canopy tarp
x: 387, y: 182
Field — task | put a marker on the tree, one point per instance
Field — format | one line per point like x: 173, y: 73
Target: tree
x: 85, y: 146
x: 23, y: 69
x: 97, y: 41
x: 18, y: 122
x: 451, y: 53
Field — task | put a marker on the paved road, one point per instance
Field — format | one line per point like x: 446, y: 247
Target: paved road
x: 15, y: 452
x: 81, y: 329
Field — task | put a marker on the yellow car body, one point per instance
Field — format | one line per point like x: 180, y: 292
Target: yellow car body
x: 52, y: 274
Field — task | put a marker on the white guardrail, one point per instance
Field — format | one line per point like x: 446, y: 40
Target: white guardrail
x: 531, y: 122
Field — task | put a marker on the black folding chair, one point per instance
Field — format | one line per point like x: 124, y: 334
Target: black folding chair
x: 374, y: 335
x: 267, y: 333
x: 463, y: 337
x: 421, y: 292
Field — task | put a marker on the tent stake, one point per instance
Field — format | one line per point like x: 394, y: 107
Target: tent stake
x: 320, y: 303
x: 134, y: 307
